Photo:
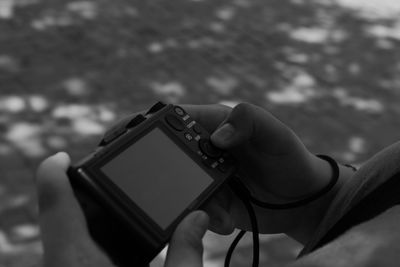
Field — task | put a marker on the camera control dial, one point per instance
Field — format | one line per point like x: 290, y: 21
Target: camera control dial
x: 209, y: 149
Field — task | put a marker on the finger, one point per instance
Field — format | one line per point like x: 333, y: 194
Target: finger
x: 220, y: 220
x: 219, y: 210
x: 186, y: 246
x: 208, y: 116
x: 248, y: 122
x: 61, y: 220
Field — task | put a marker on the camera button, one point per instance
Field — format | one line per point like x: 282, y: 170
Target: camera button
x: 179, y: 111
x: 175, y: 122
x: 209, y: 149
x: 209, y: 162
x: 190, y: 124
x: 188, y: 136
x: 197, y: 129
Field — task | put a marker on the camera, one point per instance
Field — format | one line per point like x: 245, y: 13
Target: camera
x: 147, y: 174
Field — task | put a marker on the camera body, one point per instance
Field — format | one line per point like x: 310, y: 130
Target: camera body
x: 147, y: 174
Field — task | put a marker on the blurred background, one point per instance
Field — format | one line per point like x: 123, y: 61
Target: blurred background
x: 68, y: 69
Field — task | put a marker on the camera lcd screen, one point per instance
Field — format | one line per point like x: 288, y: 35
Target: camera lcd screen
x: 158, y: 176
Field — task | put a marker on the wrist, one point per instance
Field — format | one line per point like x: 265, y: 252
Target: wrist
x: 322, y: 175
x: 315, y: 174
x: 316, y: 211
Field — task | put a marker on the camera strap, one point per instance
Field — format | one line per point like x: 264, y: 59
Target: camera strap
x: 243, y: 193
x: 235, y: 183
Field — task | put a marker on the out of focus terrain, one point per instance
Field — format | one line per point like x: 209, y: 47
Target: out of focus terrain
x: 69, y: 69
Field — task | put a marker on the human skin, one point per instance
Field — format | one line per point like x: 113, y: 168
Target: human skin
x: 274, y: 164
x: 67, y: 243
x: 65, y: 237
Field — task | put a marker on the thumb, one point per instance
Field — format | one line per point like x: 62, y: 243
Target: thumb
x: 186, y: 246
x: 248, y: 122
x: 61, y: 220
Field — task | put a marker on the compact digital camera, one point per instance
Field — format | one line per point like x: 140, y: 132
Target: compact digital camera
x: 147, y: 174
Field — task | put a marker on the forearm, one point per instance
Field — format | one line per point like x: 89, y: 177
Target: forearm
x: 371, y: 243
x: 309, y: 216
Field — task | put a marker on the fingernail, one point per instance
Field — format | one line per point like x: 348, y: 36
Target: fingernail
x: 224, y: 133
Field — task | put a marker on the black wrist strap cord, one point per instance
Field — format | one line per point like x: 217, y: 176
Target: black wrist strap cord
x: 245, y: 196
x: 243, y: 193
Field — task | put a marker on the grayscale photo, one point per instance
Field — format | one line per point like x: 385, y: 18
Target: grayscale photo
x: 199, y: 133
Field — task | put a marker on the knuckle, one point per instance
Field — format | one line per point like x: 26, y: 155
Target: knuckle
x: 244, y: 113
x: 245, y: 108
x: 223, y: 108
x: 244, y: 118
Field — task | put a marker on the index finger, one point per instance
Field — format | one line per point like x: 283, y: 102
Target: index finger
x: 208, y: 116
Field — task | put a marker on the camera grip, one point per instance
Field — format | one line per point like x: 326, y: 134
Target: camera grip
x: 111, y: 235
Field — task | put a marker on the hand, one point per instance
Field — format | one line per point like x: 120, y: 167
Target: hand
x: 274, y: 164
x: 66, y: 240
